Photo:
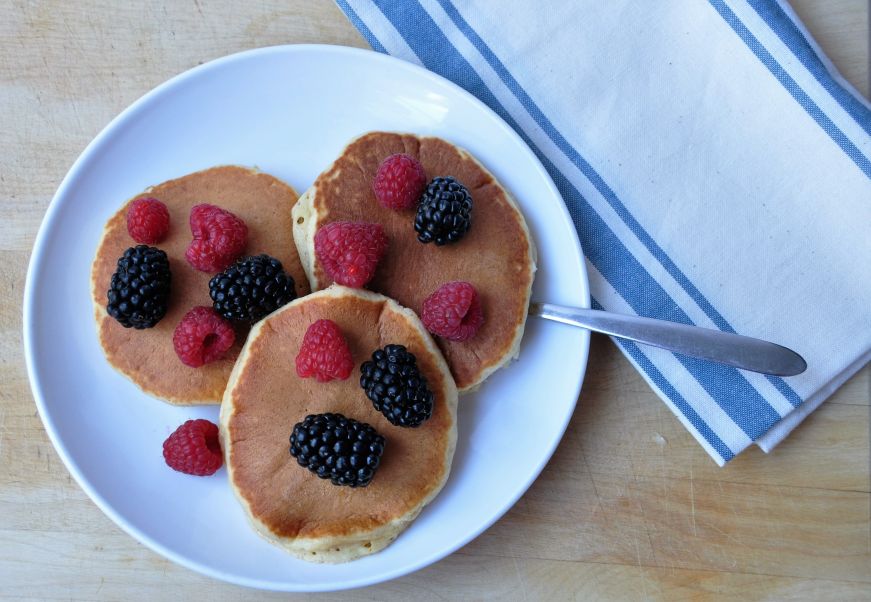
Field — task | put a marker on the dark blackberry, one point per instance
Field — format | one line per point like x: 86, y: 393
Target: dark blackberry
x: 251, y: 288
x: 343, y: 450
x: 445, y: 212
x: 396, y: 387
x: 139, y: 291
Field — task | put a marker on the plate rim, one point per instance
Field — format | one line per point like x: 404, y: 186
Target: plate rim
x: 37, y: 259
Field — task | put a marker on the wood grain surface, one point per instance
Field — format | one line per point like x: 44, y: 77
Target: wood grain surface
x: 630, y: 507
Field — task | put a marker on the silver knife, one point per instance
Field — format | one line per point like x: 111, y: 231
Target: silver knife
x: 735, y: 350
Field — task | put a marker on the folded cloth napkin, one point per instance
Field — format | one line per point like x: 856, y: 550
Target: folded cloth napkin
x: 715, y: 165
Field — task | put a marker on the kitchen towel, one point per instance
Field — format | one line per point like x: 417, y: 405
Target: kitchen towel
x: 716, y: 167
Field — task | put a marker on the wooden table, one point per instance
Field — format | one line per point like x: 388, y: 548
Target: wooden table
x: 630, y: 507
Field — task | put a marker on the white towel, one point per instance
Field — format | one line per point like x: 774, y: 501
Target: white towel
x: 715, y: 165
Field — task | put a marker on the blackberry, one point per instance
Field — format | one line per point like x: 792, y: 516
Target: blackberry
x: 396, y: 387
x: 445, y: 212
x: 139, y: 291
x: 251, y: 288
x: 343, y: 450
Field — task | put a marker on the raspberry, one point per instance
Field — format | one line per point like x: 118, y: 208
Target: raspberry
x: 219, y: 238
x: 350, y: 251
x: 194, y: 448
x: 202, y: 337
x: 399, y: 182
x: 453, y: 312
x: 147, y: 220
x: 324, y: 353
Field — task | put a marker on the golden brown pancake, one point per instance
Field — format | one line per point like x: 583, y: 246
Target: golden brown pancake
x: 147, y: 356
x: 289, y: 505
x: 497, y: 254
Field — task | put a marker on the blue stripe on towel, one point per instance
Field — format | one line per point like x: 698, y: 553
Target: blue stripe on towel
x: 361, y: 27
x: 727, y: 386
x: 599, y: 183
x: 780, y: 23
x: 792, y: 87
x: 676, y: 398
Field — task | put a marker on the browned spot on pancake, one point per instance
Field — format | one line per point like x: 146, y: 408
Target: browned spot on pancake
x: 147, y: 356
x: 494, y: 255
x: 268, y: 398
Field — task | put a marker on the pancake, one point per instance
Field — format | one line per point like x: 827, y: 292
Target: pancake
x: 286, y: 503
x: 497, y: 254
x: 147, y: 356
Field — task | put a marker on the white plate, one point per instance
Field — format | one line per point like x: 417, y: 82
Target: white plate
x: 289, y: 111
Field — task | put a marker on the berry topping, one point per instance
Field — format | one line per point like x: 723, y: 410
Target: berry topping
x: 251, y: 288
x: 324, y: 353
x: 219, y: 238
x: 147, y: 220
x: 453, y: 312
x: 343, y: 450
x: 399, y: 182
x: 202, y: 337
x: 138, y: 295
x: 396, y: 387
x: 350, y: 251
x: 194, y: 448
x: 445, y: 212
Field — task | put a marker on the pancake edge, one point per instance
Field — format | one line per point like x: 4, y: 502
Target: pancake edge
x: 354, y: 545
x: 304, y: 234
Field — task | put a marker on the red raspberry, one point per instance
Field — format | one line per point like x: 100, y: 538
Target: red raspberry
x: 399, y: 182
x: 219, y: 238
x: 194, y: 448
x: 453, y: 312
x: 324, y: 353
x: 147, y: 220
x: 202, y: 336
x: 350, y: 251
